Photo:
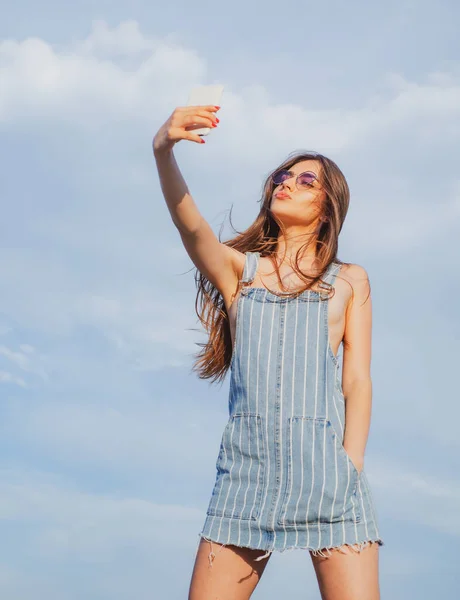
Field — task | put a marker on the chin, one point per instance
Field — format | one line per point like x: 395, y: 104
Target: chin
x: 282, y: 212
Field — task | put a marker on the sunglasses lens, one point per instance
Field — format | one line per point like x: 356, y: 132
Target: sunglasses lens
x: 280, y: 176
x: 306, y: 179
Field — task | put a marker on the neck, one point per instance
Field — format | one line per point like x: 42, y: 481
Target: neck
x: 294, y: 239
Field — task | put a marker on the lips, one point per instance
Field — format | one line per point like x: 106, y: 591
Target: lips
x: 282, y: 195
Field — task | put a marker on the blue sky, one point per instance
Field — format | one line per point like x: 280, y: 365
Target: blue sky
x: 108, y: 441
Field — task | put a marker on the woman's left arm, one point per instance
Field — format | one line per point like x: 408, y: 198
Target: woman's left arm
x: 356, y: 377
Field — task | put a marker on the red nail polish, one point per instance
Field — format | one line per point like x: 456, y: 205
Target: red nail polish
x: 217, y: 120
x: 203, y: 142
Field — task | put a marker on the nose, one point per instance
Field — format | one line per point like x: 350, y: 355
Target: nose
x: 289, y: 183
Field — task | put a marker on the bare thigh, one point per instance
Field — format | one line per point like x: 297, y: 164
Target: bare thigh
x: 350, y: 576
x: 233, y: 574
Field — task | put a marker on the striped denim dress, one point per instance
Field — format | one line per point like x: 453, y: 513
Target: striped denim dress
x: 284, y: 479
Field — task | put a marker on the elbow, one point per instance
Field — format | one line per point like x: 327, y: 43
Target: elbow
x: 188, y: 230
x: 356, y: 384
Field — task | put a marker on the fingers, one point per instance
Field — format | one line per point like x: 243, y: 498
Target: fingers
x: 207, y: 108
x: 193, y: 137
x: 187, y: 118
x: 203, y: 111
x: 194, y: 122
x: 195, y: 114
x: 208, y: 114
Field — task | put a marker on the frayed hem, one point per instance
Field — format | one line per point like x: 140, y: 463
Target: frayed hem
x: 212, y: 555
x: 344, y: 548
x: 358, y: 547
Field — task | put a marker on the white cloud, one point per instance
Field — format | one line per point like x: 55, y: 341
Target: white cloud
x: 82, y: 83
x: 124, y: 40
x: 6, y: 377
x: 121, y: 73
x: 27, y: 359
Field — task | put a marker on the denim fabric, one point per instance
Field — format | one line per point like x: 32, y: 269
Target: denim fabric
x: 284, y: 479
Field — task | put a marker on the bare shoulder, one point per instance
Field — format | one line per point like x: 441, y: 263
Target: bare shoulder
x: 356, y: 278
x: 355, y: 274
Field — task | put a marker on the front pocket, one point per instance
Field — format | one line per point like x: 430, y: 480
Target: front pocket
x: 240, y: 479
x: 321, y: 480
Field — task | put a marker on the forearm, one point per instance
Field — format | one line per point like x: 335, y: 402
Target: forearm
x: 184, y: 212
x: 358, y: 408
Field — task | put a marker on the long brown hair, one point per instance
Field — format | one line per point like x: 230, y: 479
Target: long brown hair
x: 213, y: 360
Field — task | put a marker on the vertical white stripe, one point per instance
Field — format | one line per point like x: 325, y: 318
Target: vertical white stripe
x: 364, y: 514
x: 303, y: 412
x: 318, y: 327
x: 354, y: 517
x: 342, y: 424
x: 316, y: 409
x: 283, y: 458
x: 331, y: 528
x: 257, y: 411
x: 220, y: 492
x: 240, y: 420
x: 324, y: 479
x: 313, y: 441
x: 348, y: 485
x: 346, y: 493
x: 281, y: 405
x: 230, y: 477
x: 248, y: 379
x: 239, y: 324
x: 269, y: 370
x: 249, y: 268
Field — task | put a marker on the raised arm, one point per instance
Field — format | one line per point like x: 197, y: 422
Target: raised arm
x: 219, y: 263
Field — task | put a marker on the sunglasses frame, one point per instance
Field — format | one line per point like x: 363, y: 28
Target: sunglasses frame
x: 296, y: 179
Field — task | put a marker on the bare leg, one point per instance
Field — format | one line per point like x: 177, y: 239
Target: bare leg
x: 232, y: 574
x: 350, y: 576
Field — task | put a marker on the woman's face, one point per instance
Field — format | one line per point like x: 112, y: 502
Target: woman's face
x: 302, y: 206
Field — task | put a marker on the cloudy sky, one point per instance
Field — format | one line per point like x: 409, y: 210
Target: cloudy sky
x: 108, y: 441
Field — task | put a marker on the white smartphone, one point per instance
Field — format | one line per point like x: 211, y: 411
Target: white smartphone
x: 205, y: 95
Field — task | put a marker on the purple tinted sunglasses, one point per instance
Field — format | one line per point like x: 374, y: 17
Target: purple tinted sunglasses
x: 303, y: 180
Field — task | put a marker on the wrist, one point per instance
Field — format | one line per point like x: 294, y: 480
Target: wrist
x: 163, y: 150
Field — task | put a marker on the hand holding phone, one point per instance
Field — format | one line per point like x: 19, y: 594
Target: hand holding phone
x: 205, y: 95
x: 192, y: 121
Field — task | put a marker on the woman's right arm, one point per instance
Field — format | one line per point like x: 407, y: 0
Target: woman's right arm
x: 219, y: 263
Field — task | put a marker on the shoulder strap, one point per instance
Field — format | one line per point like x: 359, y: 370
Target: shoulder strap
x: 250, y: 266
x: 331, y: 272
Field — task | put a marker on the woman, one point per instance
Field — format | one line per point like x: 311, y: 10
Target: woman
x: 277, y: 304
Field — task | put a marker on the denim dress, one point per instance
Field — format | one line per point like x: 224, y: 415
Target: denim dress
x: 284, y: 479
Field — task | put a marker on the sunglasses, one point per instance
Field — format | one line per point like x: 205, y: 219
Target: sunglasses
x: 303, y: 180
